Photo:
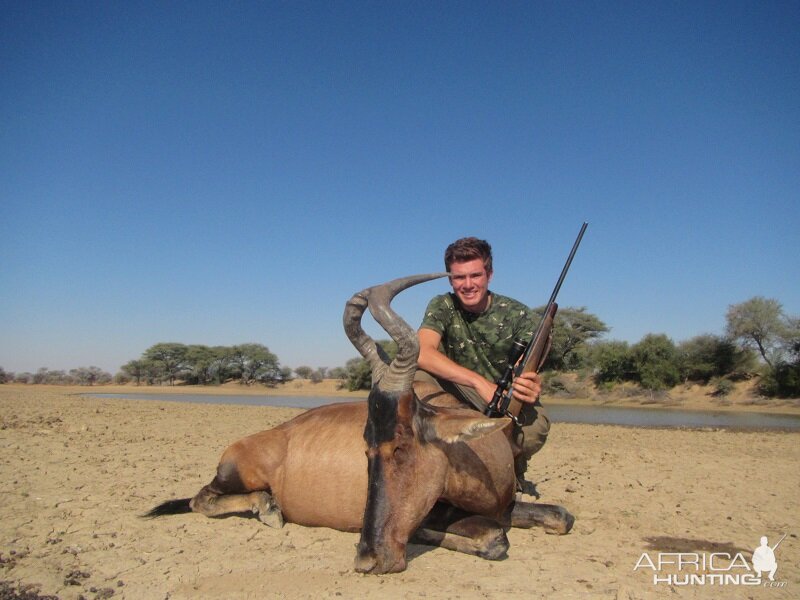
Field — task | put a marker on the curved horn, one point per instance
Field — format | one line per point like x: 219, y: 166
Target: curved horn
x: 399, y: 375
x: 366, y: 346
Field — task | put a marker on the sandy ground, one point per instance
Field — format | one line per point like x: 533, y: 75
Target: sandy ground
x: 76, y: 474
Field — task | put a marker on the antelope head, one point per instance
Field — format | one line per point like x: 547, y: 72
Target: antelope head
x: 406, y: 466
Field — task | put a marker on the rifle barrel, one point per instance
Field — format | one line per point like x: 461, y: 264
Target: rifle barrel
x: 568, y: 263
x: 556, y: 289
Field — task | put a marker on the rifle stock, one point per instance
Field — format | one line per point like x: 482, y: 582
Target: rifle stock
x: 541, y: 345
x: 533, y: 360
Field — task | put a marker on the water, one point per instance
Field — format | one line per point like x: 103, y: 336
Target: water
x: 283, y: 401
x: 559, y: 413
x: 661, y: 417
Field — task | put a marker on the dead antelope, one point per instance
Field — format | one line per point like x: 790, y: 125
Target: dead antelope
x: 396, y: 468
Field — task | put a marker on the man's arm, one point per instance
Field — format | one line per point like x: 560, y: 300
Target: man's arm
x: 436, y: 363
x: 527, y: 386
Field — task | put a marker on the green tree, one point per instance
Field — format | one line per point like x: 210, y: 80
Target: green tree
x: 136, y: 370
x: 303, y: 372
x: 169, y: 357
x: 90, y: 375
x: 784, y: 380
x: 338, y: 373
x: 573, y: 328
x: 200, y: 363
x: 759, y: 323
x: 705, y: 357
x: 656, y: 361
x: 358, y: 372
x: 359, y: 375
x: 612, y: 361
x: 220, y: 367
x: 255, y: 363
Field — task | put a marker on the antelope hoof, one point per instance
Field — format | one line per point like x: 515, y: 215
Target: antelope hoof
x: 497, y: 547
x: 560, y: 525
x: 272, y: 517
x: 268, y: 511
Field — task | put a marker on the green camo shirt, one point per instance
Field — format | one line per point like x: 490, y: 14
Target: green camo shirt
x: 479, y: 342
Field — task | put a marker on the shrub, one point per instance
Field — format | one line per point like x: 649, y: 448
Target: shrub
x: 656, y: 361
x: 722, y: 386
x: 612, y: 362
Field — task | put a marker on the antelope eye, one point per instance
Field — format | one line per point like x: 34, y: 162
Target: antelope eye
x: 400, y: 454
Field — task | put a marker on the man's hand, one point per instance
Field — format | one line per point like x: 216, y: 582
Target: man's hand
x: 527, y: 387
x: 484, y: 387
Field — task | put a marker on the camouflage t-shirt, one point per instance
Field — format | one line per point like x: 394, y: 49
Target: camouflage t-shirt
x: 479, y: 342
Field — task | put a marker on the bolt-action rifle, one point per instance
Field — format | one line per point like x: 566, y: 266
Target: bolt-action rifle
x: 531, y: 356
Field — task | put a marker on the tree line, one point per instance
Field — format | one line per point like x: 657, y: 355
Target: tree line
x: 207, y: 365
x: 79, y: 376
x: 759, y: 339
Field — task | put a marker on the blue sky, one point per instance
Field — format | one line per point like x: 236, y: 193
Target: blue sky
x: 221, y: 173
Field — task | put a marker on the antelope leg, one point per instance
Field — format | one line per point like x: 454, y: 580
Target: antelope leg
x: 554, y: 519
x: 214, y: 504
x: 454, y: 529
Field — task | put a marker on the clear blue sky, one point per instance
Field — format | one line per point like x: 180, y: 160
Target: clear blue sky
x: 220, y: 173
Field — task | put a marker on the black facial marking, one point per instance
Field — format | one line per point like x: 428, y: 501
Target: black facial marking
x: 375, y: 512
x: 381, y: 417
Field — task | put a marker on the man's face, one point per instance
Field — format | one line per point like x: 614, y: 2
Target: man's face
x: 470, y: 283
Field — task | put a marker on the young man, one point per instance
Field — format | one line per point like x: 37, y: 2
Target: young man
x: 466, y: 336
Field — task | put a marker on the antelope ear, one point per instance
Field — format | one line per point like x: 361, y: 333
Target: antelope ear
x: 459, y: 425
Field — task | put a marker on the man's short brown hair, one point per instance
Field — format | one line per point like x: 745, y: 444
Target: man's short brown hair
x: 466, y: 249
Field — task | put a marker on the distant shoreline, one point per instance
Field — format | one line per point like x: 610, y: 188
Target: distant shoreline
x: 694, y: 398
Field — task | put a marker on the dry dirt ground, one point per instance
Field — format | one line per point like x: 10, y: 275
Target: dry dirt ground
x: 77, y: 472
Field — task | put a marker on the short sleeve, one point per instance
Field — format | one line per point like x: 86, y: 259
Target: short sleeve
x: 437, y: 315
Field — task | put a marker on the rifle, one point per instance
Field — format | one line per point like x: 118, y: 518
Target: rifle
x: 531, y: 356
x: 779, y: 543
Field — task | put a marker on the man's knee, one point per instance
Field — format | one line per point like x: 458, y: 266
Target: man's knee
x: 535, y: 434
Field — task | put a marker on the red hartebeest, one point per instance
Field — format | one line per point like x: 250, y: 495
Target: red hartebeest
x: 433, y: 473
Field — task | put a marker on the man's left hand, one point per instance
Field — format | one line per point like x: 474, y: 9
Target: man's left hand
x: 527, y: 387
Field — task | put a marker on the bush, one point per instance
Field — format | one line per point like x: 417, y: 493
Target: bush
x: 612, y: 362
x: 783, y: 381
x: 553, y: 385
x: 656, y: 361
x: 722, y: 387
x: 359, y: 375
x: 705, y: 357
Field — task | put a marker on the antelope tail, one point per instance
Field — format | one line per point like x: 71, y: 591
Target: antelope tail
x: 170, y: 507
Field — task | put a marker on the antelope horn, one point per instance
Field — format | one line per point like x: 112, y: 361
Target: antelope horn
x: 366, y: 346
x: 399, y: 374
